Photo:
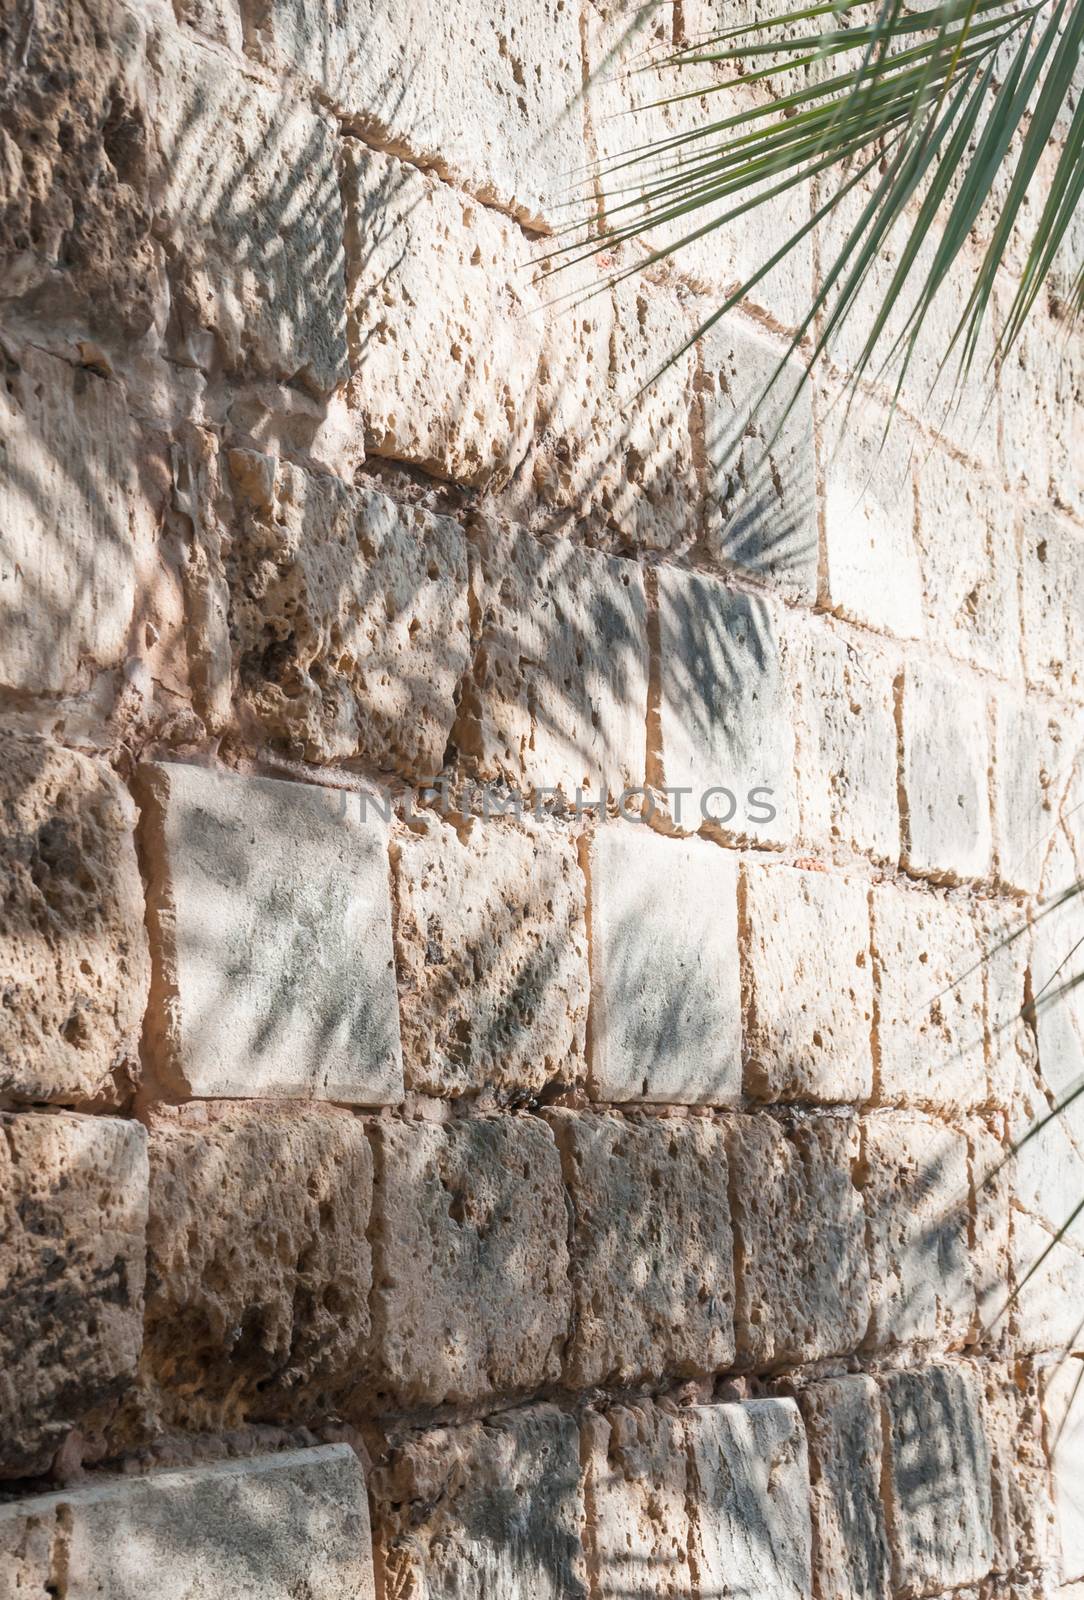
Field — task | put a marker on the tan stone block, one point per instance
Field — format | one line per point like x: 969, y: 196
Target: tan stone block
x: 271, y: 938
x: 491, y: 948
x: 1034, y: 746
x: 1023, y: 1512
x: 842, y: 1419
x: 801, y: 1274
x: 652, y: 1269
x: 1063, y: 1407
x: 944, y: 760
x: 807, y: 985
x: 73, y: 1199
x: 470, y: 1259
x: 503, y: 1509
x: 636, y: 1489
x: 73, y: 950
x: 1052, y: 603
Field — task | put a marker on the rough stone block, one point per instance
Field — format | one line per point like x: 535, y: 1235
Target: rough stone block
x: 665, y: 1018
x: 801, y: 1274
x: 349, y: 613
x: 1032, y: 751
x: 807, y: 985
x: 990, y: 1251
x: 73, y: 951
x: 636, y: 1487
x: 491, y: 946
x: 557, y: 700
x: 272, y: 1527
x: 503, y: 1510
x: 470, y: 1259
x: 73, y: 1203
x: 1047, y: 1169
x: 938, y: 1478
x: 652, y: 1269
x: 1010, y: 1033
x: 1047, y: 1310
x: 259, y: 1265
x: 1052, y: 603
x: 726, y: 717
x: 1023, y: 1511
x: 1057, y: 962
x: 915, y: 1187
x: 842, y: 1419
x: 1063, y: 1406
x: 271, y: 939
x: 945, y: 757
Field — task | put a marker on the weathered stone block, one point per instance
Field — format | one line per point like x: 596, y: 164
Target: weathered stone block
x: 842, y: 1419
x: 726, y: 717
x: 1063, y: 1406
x: 637, y: 1484
x: 73, y: 950
x: 801, y: 1274
x: 259, y: 1265
x: 349, y: 613
x: 938, y: 1478
x: 1052, y: 603
x: 73, y: 1204
x: 943, y: 776
x: 1023, y: 1511
x: 1057, y: 961
x: 470, y: 1259
x: 491, y: 946
x: 652, y: 1269
x: 807, y: 985
x: 989, y: 1252
x: 1047, y: 1169
x: 1030, y: 762
x: 665, y: 1016
x: 1047, y: 1285
x: 557, y: 700
x: 503, y: 1510
x: 271, y: 1527
x: 271, y: 939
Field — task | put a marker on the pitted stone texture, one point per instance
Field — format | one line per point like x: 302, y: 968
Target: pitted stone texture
x: 491, y: 944
x: 847, y: 743
x: 491, y: 1508
x: 1063, y: 1405
x: 1033, y: 751
x: 446, y: 326
x: 268, y: 1528
x: 259, y: 1266
x: 557, y: 698
x: 652, y: 1270
x: 928, y: 971
x: 250, y: 213
x: 1052, y: 603
x: 73, y: 951
x: 271, y: 938
x: 807, y: 985
x: 1010, y: 1032
x: 801, y: 1275
x: 349, y: 613
x: 470, y: 1259
x: 938, y: 1477
x: 989, y: 1246
x: 915, y: 1188
x: 665, y: 1018
x: 73, y: 1204
x: 637, y: 1484
x: 1048, y: 1285
x: 842, y: 1419
x: 1047, y: 1169
x: 1057, y: 962
x: 726, y: 714
x: 1023, y: 1511
x: 945, y: 756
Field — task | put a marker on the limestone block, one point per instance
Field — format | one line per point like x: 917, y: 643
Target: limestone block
x: 470, y: 1259
x: 349, y: 613
x: 446, y: 326
x: 1063, y: 1406
x: 1048, y: 1287
x: 1057, y: 961
x: 1010, y: 1032
x: 1023, y: 1512
x: 557, y: 699
x: 938, y: 1478
x: 802, y: 1278
x: 1047, y: 1169
x: 273, y: 1527
x: 259, y: 1264
x: 73, y: 951
x: 1039, y: 397
x: 491, y: 947
x: 219, y: 20
x: 945, y: 757
x: 1033, y: 749
x: 847, y: 743
x: 652, y: 1269
x: 915, y: 1189
x: 637, y: 1484
x: 928, y: 971
x: 73, y: 1201
x: 807, y: 985
x: 271, y: 939
x: 503, y: 1510
x: 665, y: 1018
x: 990, y: 1248
x: 1052, y: 603
x: 842, y: 1420
x: 250, y: 212
x: 726, y: 713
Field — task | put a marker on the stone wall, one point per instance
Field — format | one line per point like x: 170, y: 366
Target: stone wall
x: 418, y: 1179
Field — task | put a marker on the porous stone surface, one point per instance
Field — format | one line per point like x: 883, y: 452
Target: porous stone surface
x: 470, y: 1259
x: 636, y: 1484
x: 1032, y: 751
x: 73, y: 1199
x: 271, y: 938
x: 807, y: 985
x: 842, y: 1418
x: 665, y: 1018
x: 944, y: 756
x: 1063, y: 1408
x: 652, y: 1255
x: 74, y: 966
x: 1052, y: 604
x: 1047, y: 1282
